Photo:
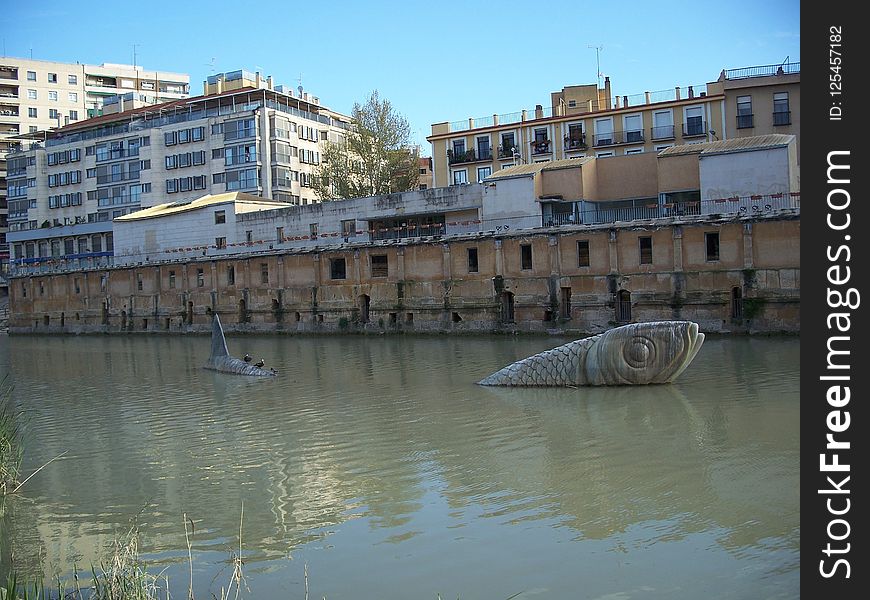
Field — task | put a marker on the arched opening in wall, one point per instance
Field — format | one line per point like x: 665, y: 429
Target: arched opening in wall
x: 144, y: 324
x: 62, y: 319
x: 105, y: 316
x: 123, y: 319
x: 46, y: 320
x: 243, y: 311
x: 364, y: 306
x: 320, y: 318
x: 78, y: 317
x: 190, y: 313
x: 298, y: 317
x: 565, y: 305
x: 277, y: 311
x: 507, y: 307
x: 167, y: 323
x: 409, y: 318
x: 736, y: 303
x: 456, y: 318
x: 623, y: 306
x: 208, y: 313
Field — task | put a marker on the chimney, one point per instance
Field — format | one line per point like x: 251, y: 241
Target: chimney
x: 691, y: 92
x: 269, y: 82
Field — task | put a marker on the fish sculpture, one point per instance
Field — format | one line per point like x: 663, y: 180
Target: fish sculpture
x: 220, y: 359
x: 635, y: 354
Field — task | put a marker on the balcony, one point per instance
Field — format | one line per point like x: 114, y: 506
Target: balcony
x: 745, y: 121
x: 116, y: 153
x: 506, y: 151
x: 575, y: 142
x: 634, y: 137
x: 541, y: 147
x: 782, y: 117
x: 694, y: 128
x: 663, y: 132
x: 455, y: 158
x: 604, y: 139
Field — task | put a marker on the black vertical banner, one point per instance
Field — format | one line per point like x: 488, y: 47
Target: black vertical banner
x: 834, y: 274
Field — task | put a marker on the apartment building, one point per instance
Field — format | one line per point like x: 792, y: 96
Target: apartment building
x: 38, y: 95
x: 66, y: 189
x: 588, y: 121
x: 761, y: 100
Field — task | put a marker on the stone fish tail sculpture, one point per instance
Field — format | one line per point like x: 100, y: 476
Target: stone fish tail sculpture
x: 220, y: 359
x: 636, y: 354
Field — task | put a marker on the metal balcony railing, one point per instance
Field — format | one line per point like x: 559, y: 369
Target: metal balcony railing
x: 541, y: 147
x: 694, y: 128
x: 662, y: 132
x: 604, y: 139
x: 506, y: 151
x: 575, y: 142
x: 632, y: 137
x: 782, y: 117
x: 762, y: 71
x: 745, y: 121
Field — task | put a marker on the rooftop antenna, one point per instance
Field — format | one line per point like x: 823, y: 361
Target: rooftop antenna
x: 598, y: 50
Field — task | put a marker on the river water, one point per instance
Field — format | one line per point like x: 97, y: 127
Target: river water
x: 377, y: 464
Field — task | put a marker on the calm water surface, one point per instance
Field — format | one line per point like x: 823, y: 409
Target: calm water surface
x: 378, y: 463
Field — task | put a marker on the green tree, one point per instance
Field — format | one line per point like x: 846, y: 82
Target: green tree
x: 375, y: 157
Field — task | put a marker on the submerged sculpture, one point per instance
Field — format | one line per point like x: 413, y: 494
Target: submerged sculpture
x: 636, y: 354
x: 220, y: 359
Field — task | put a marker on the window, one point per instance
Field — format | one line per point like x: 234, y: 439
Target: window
x: 483, y: 173
x: 663, y: 125
x: 711, y: 242
x: 200, y: 278
x: 572, y: 104
x: 575, y: 139
x: 633, y: 127
x: 645, y: 246
x: 52, y: 113
x: 781, y: 113
x: 171, y: 279
x: 337, y: 268
x: 170, y: 138
x: 603, y: 132
x: 32, y: 112
x: 52, y: 77
x: 220, y: 243
x: 634, y: 151
x: 472, y: 260
x: 279, y: 234
x: 484, y: 152
x: 460, y: 176
x: 744, y: 112
x: 525, y: 257
x: 139, y: 281
x: 694, y: 121
x: 73, y: 97
x: 379, y: 265
x: 508, y: 143
x: 541, y: 143
x: 73, y: 79
x: 31, y: 76
x: 312, y: 230
x: 348, y: 228
x: 31, y: 95
x: 52, y: 95
x: 264, y: 272
x: 582, y: 253
x: 458, y: 149
x: 73, y: 115
x: 220, y: 216
x: 231, y: 275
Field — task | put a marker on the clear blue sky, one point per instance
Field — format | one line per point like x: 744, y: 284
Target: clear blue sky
x: 435, y: 61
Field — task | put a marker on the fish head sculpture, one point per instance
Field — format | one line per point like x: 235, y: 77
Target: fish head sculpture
x: 635, y: 354
x: 642, y: 353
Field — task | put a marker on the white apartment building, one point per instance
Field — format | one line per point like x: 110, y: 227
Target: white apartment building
x: 38, y: 95
x: 65, y: 190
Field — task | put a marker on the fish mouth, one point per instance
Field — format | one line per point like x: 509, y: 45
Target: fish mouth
x: 694, y: 339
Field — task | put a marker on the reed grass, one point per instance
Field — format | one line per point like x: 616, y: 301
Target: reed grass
x: 11, y: 446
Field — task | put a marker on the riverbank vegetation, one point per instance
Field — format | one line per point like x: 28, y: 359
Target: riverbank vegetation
x: 11, y: 446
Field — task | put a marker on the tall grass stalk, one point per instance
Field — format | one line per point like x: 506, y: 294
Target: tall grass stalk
x: 11, y: 447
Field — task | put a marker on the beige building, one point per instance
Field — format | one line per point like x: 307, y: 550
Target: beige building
x: 66, y: 189
x: 587, y: 121
x: 38, y: 95
x: 426, y: 174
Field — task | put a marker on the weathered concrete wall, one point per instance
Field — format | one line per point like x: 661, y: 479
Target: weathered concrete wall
x: 678, y: 173
x: 762, y: 172
x: 434, y: 287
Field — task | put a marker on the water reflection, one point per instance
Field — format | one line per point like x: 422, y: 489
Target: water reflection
x: 369, y: 455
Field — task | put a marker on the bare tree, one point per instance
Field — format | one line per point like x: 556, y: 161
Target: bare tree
x: 375, y: 157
